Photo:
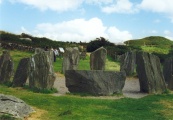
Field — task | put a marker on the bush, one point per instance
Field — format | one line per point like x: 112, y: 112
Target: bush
x: 97, y: 43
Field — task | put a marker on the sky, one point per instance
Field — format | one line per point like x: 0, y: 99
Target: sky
x: 86, y: 20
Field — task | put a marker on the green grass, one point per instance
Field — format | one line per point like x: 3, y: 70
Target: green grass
x: 58, y: 64
x: 112, y: 65
x: 69, y: 107
x: 85, y: 64
x: 151, y: 40
x: 153, y: 107
x: 164, y: 50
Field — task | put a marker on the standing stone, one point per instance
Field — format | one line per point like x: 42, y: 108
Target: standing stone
x: 38, y: 50
x: 6, y: 67
x: 168, y: 72
x: 41, y: 71
x: 98, y: 59
x: 51, y: 54
x: 22, y: 73
x: 128, y: 62
x: 71, y: 59
x: 150, y: 73
x: 95, y: 82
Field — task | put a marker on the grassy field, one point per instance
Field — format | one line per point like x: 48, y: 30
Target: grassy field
x: 71, y: 107
x: 75, y: 107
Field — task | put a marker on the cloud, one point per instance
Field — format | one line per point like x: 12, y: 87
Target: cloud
x: 54, y: 5
x: 168, y: 34
x: 120, y: 6
x: 23, y: 30
x: 80, y: 30
x: 157, y: 21
x: 99, y: 2
x: 154, y: 32
x: 158, y: 6
x: 115, y: 34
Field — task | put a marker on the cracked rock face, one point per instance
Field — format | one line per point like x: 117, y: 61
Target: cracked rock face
x: 168, y: 72
x: 41, y: 74
x: 22, y: 73
x: 70, y: 59
x: 150, y: 73
x: 96, y: 82
x: 128, y: 62
x: 98, y: 59
x: 14, y: 106
x: 6, y: 67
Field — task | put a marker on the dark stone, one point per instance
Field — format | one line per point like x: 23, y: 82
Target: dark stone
x: 6, y: 67
x: 150, y: 73
x: 98, y: 59
x: 22, y: 73
x: 95, y: 82
x: 128, y: 62
x: 14, y: 106
x: 41, y: 71
x: 71, y: 59
x: 168, y: 72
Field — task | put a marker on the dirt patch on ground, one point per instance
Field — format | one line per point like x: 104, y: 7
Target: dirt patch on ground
x: 36, y: 115
x: 131, y: 89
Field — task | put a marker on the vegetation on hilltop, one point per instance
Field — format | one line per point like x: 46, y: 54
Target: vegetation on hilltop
x: 160, y: 46
x: 150, y: 41
x: 42, y: 42
x: 97, y: 43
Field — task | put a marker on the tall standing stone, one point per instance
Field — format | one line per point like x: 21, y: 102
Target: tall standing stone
x: 168, y: 72
x: 98, y: 59
x: 38, y: 50
x: 41, y: 71
x: 128, y: 62
x: 22, y: 73
x: 71, y: 59
x: 6, y: 67
x: 150, y: 73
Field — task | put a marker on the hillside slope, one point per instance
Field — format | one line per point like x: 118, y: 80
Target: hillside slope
x: 150, y: 41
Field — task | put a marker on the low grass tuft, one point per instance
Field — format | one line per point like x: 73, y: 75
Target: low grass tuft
x: 45, y: 91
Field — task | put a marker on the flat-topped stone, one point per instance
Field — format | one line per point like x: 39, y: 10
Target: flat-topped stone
x: 95, y: 82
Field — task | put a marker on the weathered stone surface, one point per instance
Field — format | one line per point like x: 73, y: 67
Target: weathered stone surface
x: 98, y: 59
x: 14, y: 106
x: 51, y: 55
x: 168, y: 72
x: 6, y: 67
x: 38, y: 50
x: 128, y: 62
x: 41, y: 71
x: 22, y: 73
x: 71, y: 59
x: 95, y: 82
x: 150, y: 73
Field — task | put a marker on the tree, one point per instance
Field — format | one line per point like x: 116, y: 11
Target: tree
x: 97, y: 43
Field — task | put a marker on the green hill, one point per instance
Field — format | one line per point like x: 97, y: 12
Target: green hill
x: 29, y: 40
x: 150, y: 41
